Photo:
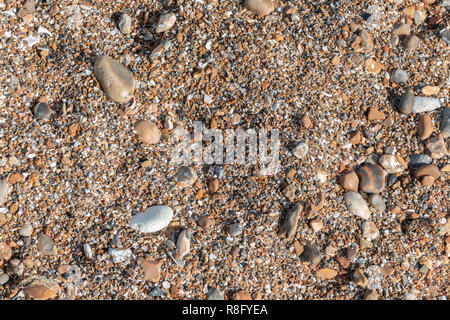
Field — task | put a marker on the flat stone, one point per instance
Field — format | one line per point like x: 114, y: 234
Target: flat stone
x: 4, y: 278
x: 357, y: 205
x: 147, y: 131
x: 412, y: 43
x: 153, y: 219
x: 326, y: 273
x: 46, y: 245
x: 236, y: 229
x: 377, y: 202
x: 185, y: 177
x: 261, y: 7
x: 401, y: 29
x: 430, y: 90
x: 5, y: 251
x: 116, y: 80
x: 418, y: 160
x: 425, y: 127
x: 445, y: 124
x: 310, y: 254
x: 371, y: 178
x: 370, y: 230
x: 399, y: 76
x: 426, y: 104
x: 183, y: 245
x: 166, y: 22
x: 41, y: 289
x: 300, y: 151
x: 214, y: 294
x: 375, y: 114
x: 436, y: 147
x: 4, y: 190
x: 151, y: 269
x: 288, y: 228
x: 26, y: 230
x: 120, y: 255
x: 366, y: 41
x: 205, y: 222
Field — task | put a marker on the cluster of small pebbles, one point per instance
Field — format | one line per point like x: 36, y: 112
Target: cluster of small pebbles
x: 92, y: 207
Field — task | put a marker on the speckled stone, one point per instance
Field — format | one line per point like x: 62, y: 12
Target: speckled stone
x: 147, y: 132
x: 116, y: 80
x: 153, y: 219
x: 357, y: 205
x: 125, y: 24
x: 120, y: 255
x: 377, y: 202
x: 436, y: 147
x: 371, y: 178
x: 392, y: 163
x: 185, y: 177
x: 41, y: 289
x: 418, y: 160
x: 166, y: 22
x: 370, y: 230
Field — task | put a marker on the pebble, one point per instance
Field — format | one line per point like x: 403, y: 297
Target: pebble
x: 5, y: 251
x: 87, y: 251
x: 445, y: 125
x: 151, y: 269
x: 261, y: 7
x: 375, y: 114
x: 241, y: 295
x: 406, y: 103
x: 401, y: 29
x: 300, y: 151
x: 166, y: 22
x: 116, y: 80
x: 120, y: 255
x: 310, y: 254
x: 205, y: 222
x: 156, y: 292
x: 288, y: 228
x: 366, y: 41
x: 4, y: 190
x: 425, y: 104
x: 41, y: 289
x: 445, y: 35
x: 26, y: 230
x: 425, y: 127
x: 371, y: 178
x: 316, y: 225
x: 42, y: 110
x: 436, y: 147
x: 430, y: 90
x: 183, y: 245
x: 160, y: 49
x: 370, y: 230
x: 213, y: 185
x: 4, y: 278
x: 46, y: 245
x: 214, y: 294
x: 359, y: 278
x: 185, y: 177
x: 418, y: 160
x: 153, y: 219
x: 147, y: 131
x: 236, y: 229
x: 371, y: 295
x: 377, y: 202
x: 399, y: 76
x: 427, y: 170
x: 419, y: 17
x: 357, y: 205
x: 373, y: 66
x: 392, y: 163
x: 326, y: 273
x: 125, y: 24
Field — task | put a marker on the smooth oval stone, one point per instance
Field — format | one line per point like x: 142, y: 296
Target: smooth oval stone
x: 357, y: 205
x: 377, y: 202
x: 261, y: 7
x: 125, y: 24
x: 428, y: 170
x: 147, y: 131
x: 152, y: 219
x: 371, y: 178
x: 418, y: 160
x: 392, y: 163
x: 116, y: 80
x: 445, y: 123
x: 399, y: 76
x: 4, y: 188
x: 425, y: 104
x: 406, y: 103
x: 42, y: 110
x: 185, y: 177
x: 166, y: 22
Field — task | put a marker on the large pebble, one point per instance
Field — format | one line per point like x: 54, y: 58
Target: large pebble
x: 4, y: 189
x: 300, y: 151
x: 349, y: 181
x: 152, y: 219
x: 377, y: 202
x: 371, y: 178
x: 445, y: 123
x: 392, y: 163
x: 406, y: 104
x: 357, y: 205
x: 401, y: 29
x: 185, y: 177
x: 261, y: 7
x: 412, y: 43
x: 427, y: 170
x: 147, y: 131
x: 437, y: 147
x: 166, y: 22
x: 125, y: 24
x: 425, y: 127
x: 5, y: 251
x: 41, y: 289
x: 310, y: 254
x: 418, y: 160
x: 46, y: 245
x: 425, y: 104
x: 116, y: 80
x: 399, y: 76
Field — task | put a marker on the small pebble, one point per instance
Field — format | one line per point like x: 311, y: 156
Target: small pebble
x: 427, y: 170
x: 370, y: 230
x: 26, y: 230
x: 399, y: 76
x: 4, y: 190
x: 326, y: 273
x: 185, y: 177
x: 214, y: 294
x: 445, y: 125
x: 40, y: 288
x: 377, y: 202
x: 418, y: 160
x: 205, y: 222
x: 151, y: 269
x: 300, y: 151
x: 46, y: 245
x: 147, y: 132
x: 42, y: 110
x: 392, y: 163
x: 401, y: 30
x: 87, y: 251
x: 4, y: 278
x: 120, y: 255
x: 357, y: 205
x: 406, y: 103
x: 425, y: 104
x: 5, y: 251
x: 125, y: 24
x: 371, y: 178
x: 213, y: 185
x: 166, y: 22
x: 236, y: 229
x: 359, y: 277
x: 183, y: 245
x: 310, y: 254
x: 436, y: 147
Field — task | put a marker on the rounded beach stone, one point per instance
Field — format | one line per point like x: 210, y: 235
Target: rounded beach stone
x: 147, y: 131
x: 371, y: 178
x: 166, y: 22
x: 406, y: 103
x: 399, y: 76
x: 427, y: 170
x: 153, y: 219
x: 392, y: 163
x: 116, y: 80
x: 41, y: 289
x: 42, y: 110
x: 4, y: 189
x: 357, y: 205
x: 185, y: 177
x: 425, y: 127
x: 261, y: 7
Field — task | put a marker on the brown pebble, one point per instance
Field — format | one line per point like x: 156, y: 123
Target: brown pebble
x: 5, y: 251
x: 425, y: 127
x: 298, y: 248
x: 235, y: 252
x: 355, y: 138
x: 205, y: 222
x: 242, y: 295
x: 326, y: 273
x: 343, y: 261
x: 41, y: 289
x: 306, y: 121
x: 151, y: 269
x: 359, y: 278
x: 436, y: 147
x: 427, y: 181
x: 349, y: 181
x: 261, y: 7
x: 289, y: 227
x: 213, y: 185
x: 147, y: 131
x: 375, y: 114
x: 387, y: 271
x: 371, y: 178
x: 412, y: 43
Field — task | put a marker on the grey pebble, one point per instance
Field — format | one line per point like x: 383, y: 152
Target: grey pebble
x: 120, y: 255
x: 445, y: 123
x: 426, y: 104
x: 310, y: 254
x: 4, y: 189
x: 406, y: 103
x: 42, y: 110
x: 4, y: 278
x: 377, y: 202
x: 419, y: 160
x: 156, y: 292
x: 357, y: 205
x: 214, y: 294
x: 445, y: 35
x: 125, y: 24
x: 399, y: 76
x: 236, y: 229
